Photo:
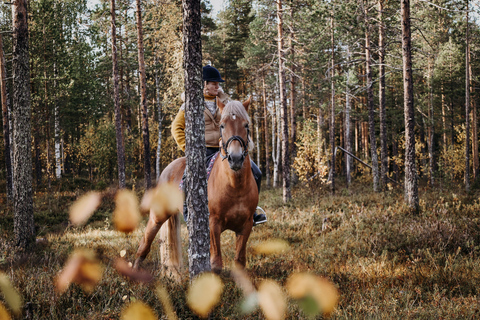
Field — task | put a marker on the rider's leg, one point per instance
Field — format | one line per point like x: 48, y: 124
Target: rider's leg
x: 259, y: 216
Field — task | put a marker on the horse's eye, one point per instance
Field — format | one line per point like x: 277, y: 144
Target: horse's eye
x: 246, y: 126
x: 222, y: 126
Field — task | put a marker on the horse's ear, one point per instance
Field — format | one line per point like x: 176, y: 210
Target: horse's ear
x: 220, y: 105
x: 246, y: 104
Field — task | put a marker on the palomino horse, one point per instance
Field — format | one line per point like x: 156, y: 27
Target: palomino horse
x: 232, y: 194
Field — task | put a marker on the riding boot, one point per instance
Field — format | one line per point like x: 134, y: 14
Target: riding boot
x: 259, y: 216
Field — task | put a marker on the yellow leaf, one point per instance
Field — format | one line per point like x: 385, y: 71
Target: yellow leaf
x: 204, y: 293
x: 138, y: 311
x: 12, y: 297
x: 165, y: 200
x: 4, y: 315
x: 325, y: 294
x: 162, y: 294
x: 123, y: 253
x: 272, y: 246
x: 82, y: 268
x: 272, y: 300
x: 84, y: 207
x: 126, y: 215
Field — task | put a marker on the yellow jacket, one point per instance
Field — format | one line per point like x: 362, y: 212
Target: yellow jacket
x: 212, y: 127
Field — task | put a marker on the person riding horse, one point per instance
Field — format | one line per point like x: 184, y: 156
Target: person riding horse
x: 213, y: 92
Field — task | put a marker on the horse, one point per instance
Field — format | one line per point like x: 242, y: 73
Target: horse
x: 232, y: 196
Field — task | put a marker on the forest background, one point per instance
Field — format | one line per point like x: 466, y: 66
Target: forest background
x: 336, y: 55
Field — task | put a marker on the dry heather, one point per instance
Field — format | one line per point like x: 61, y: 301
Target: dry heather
x: 386, y: 263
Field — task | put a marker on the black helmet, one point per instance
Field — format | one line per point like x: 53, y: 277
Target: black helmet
x: 211, y: 74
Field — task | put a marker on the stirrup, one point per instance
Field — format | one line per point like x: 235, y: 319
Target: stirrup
x: 262, y: 217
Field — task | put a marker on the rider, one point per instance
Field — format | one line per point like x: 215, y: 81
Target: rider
x: 212, y: 92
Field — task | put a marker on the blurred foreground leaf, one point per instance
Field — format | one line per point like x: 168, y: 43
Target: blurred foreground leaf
x: 138, y: 311
x: 272, y: 246
x: 122, y: 266
x: 84, y: 207
x: 204, y: 293
x: 12, y: 297
x: 272, y: 300
x: 4, y: 315
x: 81, y: 268
x: 165, y: 200
x: 126, y: 215
x: 305, y: 287
x: 162, y: 294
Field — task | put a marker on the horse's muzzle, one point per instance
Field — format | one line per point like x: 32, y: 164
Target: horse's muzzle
x: 235, y: 160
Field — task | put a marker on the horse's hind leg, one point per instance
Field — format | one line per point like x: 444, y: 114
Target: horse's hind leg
x: 151, y: 231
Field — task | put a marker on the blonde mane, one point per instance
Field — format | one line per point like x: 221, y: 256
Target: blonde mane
x: 236, y: 108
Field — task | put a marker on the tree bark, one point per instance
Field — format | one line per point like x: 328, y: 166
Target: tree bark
x: 23, y: 224
x: 381, y: 97
x: 474, y: 126
x: 332, y: 110
x: 287, y: 194
x: 265, y: 114
x: 371, y: 107
x: 348, y: 135
x: 143, y: 102
x: 160, y: 119
x: 411, y: 180
x: 196, y: 176
x: 6, y: 124
x: 116, y: 99
x: 431, y: 126
x: 293, y: 89
x: 467, y: 109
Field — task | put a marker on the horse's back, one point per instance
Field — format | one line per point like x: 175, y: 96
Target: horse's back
x: 173, y: 173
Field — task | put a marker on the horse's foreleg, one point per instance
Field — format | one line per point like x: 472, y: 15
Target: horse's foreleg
x: 151, y: 231
x: 215, y: 251
x: 241, y: 248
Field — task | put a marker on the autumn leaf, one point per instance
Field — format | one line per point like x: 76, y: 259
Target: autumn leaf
x: 204, y: 293
x: 272, y: 247
x: 272, y: 300
x: 305, y: 287
x: 4, y: 315
x: 164, y: 298
x: 122, y: 266
x: 84, y: 207
x: 126, y: 215
x: 138, y: 311
x: 165, y: 200
x: 12, y: 297
x: 81, y: 268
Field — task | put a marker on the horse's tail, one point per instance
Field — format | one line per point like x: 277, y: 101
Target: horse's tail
x: 170, y: 247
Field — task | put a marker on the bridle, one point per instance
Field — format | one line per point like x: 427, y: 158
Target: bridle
x: 235, y: 138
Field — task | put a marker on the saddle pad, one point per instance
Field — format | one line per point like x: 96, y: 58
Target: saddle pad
x: 209, y: 168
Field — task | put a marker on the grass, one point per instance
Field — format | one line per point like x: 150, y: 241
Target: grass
x: 386, y: 263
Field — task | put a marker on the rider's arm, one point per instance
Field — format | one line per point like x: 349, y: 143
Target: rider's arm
x: 178, y: 129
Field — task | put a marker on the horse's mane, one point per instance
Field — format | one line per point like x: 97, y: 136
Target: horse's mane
x: 236, y: 108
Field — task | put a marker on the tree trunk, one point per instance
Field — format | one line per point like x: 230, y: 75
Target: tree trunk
x: 143, y: 102
x: 474, y: 126
x: 160, y: 119
x: 196, y: 176
x: 381, y: 97
x: 293, y: 92
x: 275, y: 149
x: 6, y: 124
x: 467, y: 109
x: 23, y: 223
x: 348, y: 134
x: 116, y: 99
x: 332, y: 110
x: 431, y: 125
x: 371, y: 107
x: 411, y: 180
x: 287, y: 195
x: 265, y: 114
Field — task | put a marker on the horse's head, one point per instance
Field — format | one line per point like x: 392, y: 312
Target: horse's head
x: 235, y: 133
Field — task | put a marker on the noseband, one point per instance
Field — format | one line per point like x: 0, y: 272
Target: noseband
x: 233, y: 138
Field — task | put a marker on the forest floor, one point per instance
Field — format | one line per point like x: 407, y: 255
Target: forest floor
x: 385, y: 262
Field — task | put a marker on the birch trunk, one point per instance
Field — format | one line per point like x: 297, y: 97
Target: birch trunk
x: 411, y: 180
x: 284, y: 109
x: 348, y: 137
x: 265, y: 114
x: 381, y: 97
x: 332, y: 110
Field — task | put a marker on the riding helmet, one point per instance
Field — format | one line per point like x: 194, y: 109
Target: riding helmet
x: 211, y: 74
